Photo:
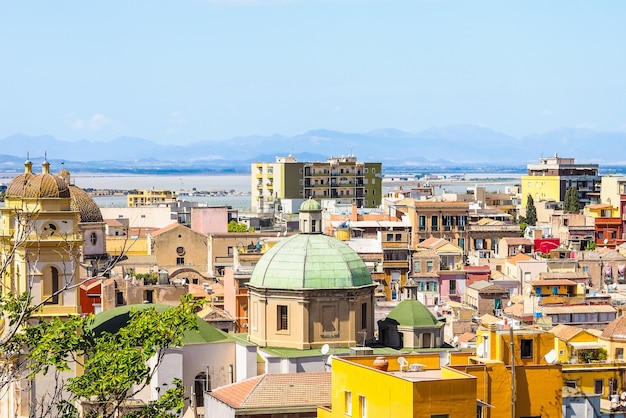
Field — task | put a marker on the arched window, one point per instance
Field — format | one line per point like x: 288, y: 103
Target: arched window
x: 201, y: 385
x: 50, y: 288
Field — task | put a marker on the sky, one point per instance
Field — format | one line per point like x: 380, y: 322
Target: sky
x: 182, y: 71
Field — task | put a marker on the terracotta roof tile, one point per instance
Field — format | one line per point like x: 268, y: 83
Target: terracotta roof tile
x: 615, y: 330
x: 565, y: 332
x: 278, y: 391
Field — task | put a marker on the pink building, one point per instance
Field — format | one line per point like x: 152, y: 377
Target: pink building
x: 209, y: 220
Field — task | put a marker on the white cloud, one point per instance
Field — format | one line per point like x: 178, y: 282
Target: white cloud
x: 547, y: 113
x: 177, y: 118
x: 586, y: 125
x: 95, y: 122
x: 337, y: 109
x: 98, y: 122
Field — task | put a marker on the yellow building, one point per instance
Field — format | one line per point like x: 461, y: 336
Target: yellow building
x: 533, y: 361
x: 420, y: 389
x: 151, y: 197
x: 601, y: 211
x: 41, y: 241
x: 553, y: 176
x: 571, y: 343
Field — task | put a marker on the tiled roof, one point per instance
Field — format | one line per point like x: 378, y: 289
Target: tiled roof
x: 568, y: 309
x: 285, y: 390
x: 516, y: 310
x: 166, y: 228
x: 565, y: 332
x: 519, y: 257
x: 615, y: 330
x: 114, y: 223
x: 466, y: 337
x: 83, y: 203
x: 553, y: 282
x: 517, y: 241
x: 479, y: 285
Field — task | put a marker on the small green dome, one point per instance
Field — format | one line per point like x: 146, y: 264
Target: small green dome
x: 310, y: 261
x: 310, y: 205
x: 412, y: 313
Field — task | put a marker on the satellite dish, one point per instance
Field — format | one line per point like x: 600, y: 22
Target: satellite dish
x: 480, y: 350
x: 455, y: 340
x: 329, y: 360
x: 606, y: 241
x: 550, y: 356
x: 325, y: 348
x: 528, y: 290
x: 509, y: 303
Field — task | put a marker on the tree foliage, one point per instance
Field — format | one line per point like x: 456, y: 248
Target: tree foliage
x: 531, y: 211
x: 116, y: 365
x: 234, y: 226
x: 572, y: 202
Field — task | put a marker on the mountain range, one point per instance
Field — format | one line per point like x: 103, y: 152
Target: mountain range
x: 458, y: 145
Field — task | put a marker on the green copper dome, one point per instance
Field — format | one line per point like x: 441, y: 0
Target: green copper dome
x: 310, y: 261
x: 310, y: 205
x: 412, y: 313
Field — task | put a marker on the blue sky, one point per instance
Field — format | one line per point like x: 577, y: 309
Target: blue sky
x: 190, y: 70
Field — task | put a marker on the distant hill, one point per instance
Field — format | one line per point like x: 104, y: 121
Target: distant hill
x: 459, y: 145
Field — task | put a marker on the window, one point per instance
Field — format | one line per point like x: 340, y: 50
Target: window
x: 362, y: 406
x: 570, y: 384
x: 180, y: 261
x: 180, y: 251
x: 364, y: 316
x: 347, y: 400
x: 417, y: 266
x: 429, y: 267
x: 283, y: 323
x: 329, y: 319
x: 230, y: 250
x: 619, y: 354
x: 148, y: 296
x: 389, y: 237
x: 453, y: 287
x: 93, y: 238
x: 119, y: 298
x: 51, y: 286
x: 422, y: 223
x: 434, y: 223
x: 398, y: 237
x: 598, y: 386
x: 526, y: 348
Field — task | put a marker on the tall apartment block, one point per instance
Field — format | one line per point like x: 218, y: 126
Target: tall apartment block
x: 151, y: 197
x: 550, y: 179
x: 343, y: 179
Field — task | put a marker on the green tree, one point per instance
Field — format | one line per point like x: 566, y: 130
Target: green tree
x: 531, y: 211
x: 234, y: 226
x: 572, y: 203
x: 116, y: 366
